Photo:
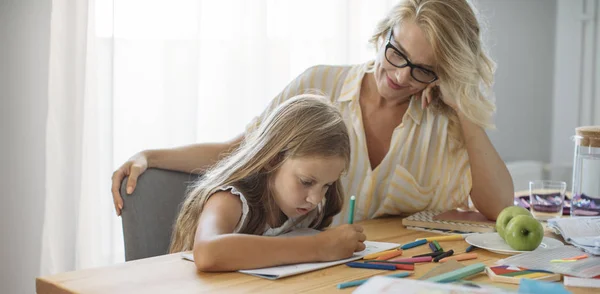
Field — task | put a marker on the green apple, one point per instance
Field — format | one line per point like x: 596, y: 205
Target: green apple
x: 524, y: 233
x: 506, y: 215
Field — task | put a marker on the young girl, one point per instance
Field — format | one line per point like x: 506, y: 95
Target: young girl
x: 284, y: 176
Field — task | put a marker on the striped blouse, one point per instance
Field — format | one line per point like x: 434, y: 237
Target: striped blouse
x: 419, y: 172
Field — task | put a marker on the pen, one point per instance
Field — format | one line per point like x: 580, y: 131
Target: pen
x: 360, y: 282
x: 351, y: 214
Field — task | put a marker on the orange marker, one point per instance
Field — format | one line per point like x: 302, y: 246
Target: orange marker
x: 576, y: 257
x: 376, y: 255
x: 406, y: 267
x: 390, y: 255
x: 460, y: 257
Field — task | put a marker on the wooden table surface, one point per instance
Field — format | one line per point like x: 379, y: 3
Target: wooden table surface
x: 172, y: 274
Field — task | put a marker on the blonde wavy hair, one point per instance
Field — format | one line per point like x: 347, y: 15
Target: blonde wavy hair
x: 305, y: 125
x: 464, y: 68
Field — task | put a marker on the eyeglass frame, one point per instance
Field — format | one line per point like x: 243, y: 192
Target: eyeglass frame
x: 412, y: 66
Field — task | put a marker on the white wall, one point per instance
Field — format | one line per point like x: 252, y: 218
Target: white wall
x: 24, y: 36
x: 521, y: 40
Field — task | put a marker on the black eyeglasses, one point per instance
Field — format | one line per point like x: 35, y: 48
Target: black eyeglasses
x: 399, y: 60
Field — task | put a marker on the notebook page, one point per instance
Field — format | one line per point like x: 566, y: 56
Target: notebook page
x: 277, y: 272
x: 294, y: 269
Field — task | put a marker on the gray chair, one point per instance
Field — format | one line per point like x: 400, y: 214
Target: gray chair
x: 149, y: 213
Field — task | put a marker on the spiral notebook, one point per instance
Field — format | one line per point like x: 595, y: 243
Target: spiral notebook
x: 452, y: 220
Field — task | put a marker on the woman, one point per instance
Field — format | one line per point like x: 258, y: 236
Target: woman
x: 416, y: 117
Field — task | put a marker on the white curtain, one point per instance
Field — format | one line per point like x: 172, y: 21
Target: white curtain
x: 128, y: 75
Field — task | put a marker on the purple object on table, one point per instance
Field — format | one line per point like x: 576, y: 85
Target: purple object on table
x: 523, y: 201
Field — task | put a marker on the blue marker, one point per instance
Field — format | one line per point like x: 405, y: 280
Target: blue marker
x: 470, y: 248
x: 413, y: 244
x: 390, y: 267
x: 360, y: 282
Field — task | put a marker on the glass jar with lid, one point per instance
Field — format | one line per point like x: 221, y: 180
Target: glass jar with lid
x: 586, y: 172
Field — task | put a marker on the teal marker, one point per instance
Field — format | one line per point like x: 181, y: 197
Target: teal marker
x: 351, y: 214
x: 360, y: 282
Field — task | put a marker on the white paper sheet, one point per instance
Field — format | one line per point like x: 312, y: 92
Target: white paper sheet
x: 379, y: 284
x: 583, y: 232
x: 294, y: 269
x: 541, y: 260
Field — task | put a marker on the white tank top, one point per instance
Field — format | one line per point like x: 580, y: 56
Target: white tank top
x: 289, y: 225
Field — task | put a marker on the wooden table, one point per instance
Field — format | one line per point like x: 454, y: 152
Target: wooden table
x: 172, y: 274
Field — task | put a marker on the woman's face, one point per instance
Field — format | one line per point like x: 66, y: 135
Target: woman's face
x: 397, y: 83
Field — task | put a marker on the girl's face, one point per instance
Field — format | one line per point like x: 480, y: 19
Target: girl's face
x: 300, y: 184
x: 395, y: 83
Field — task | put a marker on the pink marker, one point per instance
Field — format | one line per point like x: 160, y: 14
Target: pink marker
x: 413, y: 259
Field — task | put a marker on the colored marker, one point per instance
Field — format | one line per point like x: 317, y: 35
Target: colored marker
x: 432, y: 254
x: 413, y: 244
x: 432, y: 247
x: 470, y: 248
x: 390, y: 255
x: 406, y: 267
x: 458, y: 274
x: 389, y: 267
x: 562, y: 260
x: 577, y: 257
x: 375, y: 255
x: 387, y: 261
x: 414, y: 259
x: 446, y: 254
x: 437, y: 246
x: 360, y: 282
x: 444, y: 238
x: 460, y: 257
x: 351, y: 214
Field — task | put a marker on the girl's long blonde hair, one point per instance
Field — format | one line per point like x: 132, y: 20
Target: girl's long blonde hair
x: 464, y: 68
x: 306, y: 125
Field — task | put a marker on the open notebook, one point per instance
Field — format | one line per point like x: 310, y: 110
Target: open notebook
x: 277, y: 272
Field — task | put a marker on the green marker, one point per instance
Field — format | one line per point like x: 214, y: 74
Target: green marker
x: 351, y: 214
x: 437, y: 246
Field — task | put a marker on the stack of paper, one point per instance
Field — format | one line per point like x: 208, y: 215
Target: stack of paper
x: 582, y: 232
x: 542, y: 260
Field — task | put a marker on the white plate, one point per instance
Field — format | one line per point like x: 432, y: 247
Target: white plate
x: 494, y: 243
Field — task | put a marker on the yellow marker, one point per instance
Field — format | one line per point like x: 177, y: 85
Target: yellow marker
x: 444, y: 238
x: 563, y: 260
x: 532, y: 275
x: 375, y: 255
